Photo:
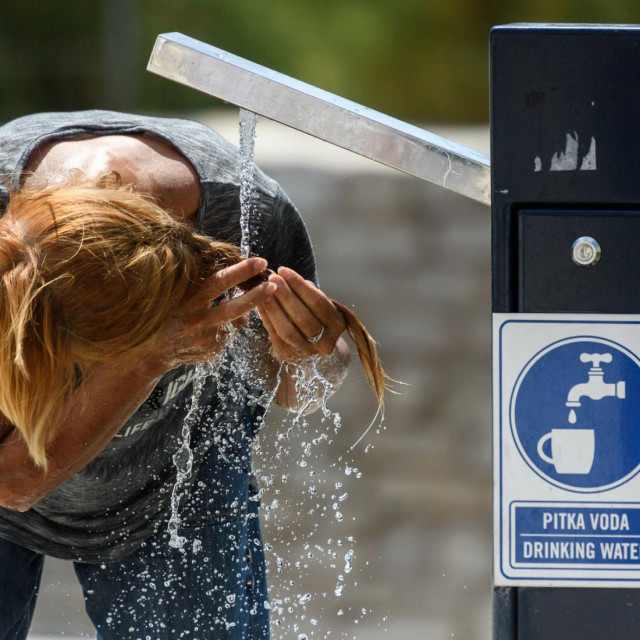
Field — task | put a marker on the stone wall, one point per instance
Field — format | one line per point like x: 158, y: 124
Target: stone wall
x: 414, y: 262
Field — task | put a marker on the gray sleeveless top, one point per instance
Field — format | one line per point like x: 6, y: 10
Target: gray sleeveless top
x: 105, y: 511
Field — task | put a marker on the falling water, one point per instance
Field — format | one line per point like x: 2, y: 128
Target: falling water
x: 572, y: 417
x: 248, y: 122
x: 316, y: 500
x: 294, y: 521
x: 321, y: 496
x: 183, y: 458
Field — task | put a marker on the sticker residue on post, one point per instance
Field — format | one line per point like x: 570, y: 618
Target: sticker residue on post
x: 567, y: 160
x: 589, y: 161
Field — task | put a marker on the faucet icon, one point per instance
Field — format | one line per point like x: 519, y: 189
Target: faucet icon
x: 595, y: 388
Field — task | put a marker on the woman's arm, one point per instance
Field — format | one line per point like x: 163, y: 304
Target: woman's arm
x: 92, y: 417
x: 115, y: 390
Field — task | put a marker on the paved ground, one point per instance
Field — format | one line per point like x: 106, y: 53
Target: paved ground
x: 414, y: 262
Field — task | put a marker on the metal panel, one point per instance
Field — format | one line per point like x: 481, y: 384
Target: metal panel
x: 578, y: 614
x: 321, y: 114
x: 558, y: 91
x: 550, y: 281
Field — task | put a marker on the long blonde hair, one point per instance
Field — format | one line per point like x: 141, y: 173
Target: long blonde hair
x: 88, y: 271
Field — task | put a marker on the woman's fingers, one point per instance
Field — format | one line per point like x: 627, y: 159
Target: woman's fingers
x: 293, y: 306
x: 239, y: 306
x: 285, y: 330
x: 281, y: 349
x: 301, y: 316
x: 198, y: 330
x: 313, y: 298
x: 331, y: 323
x: 228, y: 278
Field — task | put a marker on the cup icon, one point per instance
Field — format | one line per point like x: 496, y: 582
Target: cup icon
x: 572, y: 450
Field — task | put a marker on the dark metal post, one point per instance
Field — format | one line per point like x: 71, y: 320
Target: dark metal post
x: 565, y: 156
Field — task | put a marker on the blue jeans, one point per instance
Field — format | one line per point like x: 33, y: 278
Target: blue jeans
x: 20, y: 571
x: 212, y: 589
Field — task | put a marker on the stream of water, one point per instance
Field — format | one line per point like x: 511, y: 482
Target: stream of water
x: 183, y: 457
x: 297, y: 551
x: 248, y: 123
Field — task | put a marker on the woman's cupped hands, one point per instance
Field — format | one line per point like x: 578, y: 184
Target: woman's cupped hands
x: 300, y: 319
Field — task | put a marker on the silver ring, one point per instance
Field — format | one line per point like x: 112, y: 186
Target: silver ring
x: 317, y: 338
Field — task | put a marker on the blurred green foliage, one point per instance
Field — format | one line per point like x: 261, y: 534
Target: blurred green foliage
x: 419, y: 60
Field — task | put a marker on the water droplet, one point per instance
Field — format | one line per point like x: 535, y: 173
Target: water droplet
x: 177, y: 542
x: 348, y: 561
x: 572, y: 417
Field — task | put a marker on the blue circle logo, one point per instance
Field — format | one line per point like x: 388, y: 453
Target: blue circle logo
x: 575, y: 414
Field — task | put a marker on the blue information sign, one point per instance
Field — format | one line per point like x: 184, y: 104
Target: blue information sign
x: 576, y: 536
x: 575, y: 413
x: 567, y: 450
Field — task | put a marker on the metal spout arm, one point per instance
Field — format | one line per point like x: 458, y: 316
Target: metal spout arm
x: 322, y: 114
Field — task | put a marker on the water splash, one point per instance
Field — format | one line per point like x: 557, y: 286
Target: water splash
x: 313, y: 496
x: 183, y: 458
x: 296, y: 554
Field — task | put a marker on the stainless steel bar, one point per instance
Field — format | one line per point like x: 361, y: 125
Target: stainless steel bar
x: 322, y: 114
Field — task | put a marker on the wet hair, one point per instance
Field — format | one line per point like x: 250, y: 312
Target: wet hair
x: 90, y: 271
x: 367, y: 350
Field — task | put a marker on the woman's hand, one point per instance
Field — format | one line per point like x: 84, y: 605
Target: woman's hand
x: 300, y: 319
x: 303, y: 322
x: 114, y: 390
x: 197, y: 332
